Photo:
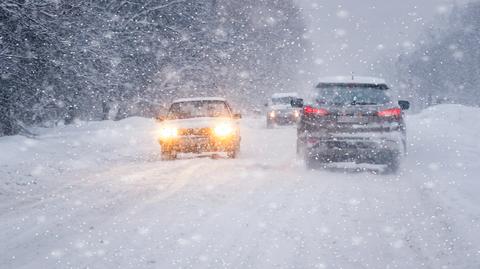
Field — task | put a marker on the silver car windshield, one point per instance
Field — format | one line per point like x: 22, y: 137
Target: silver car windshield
x: 351, y: 95
x: 282, y: 100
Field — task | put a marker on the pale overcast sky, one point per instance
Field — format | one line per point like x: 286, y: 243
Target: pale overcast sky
x: 348, y: 35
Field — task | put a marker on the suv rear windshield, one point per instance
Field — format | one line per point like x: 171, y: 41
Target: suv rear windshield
x: 198, y: 109
x: 351, y: 95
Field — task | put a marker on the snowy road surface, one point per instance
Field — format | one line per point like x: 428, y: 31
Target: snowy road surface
x: 96, y: 195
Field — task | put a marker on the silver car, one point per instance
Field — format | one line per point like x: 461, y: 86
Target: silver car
x: 280, y: 110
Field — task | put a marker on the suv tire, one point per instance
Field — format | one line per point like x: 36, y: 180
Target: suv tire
x: 393, y: 163
x: 300, y: 148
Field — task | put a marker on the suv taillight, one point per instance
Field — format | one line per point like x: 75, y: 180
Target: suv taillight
x: 392, y: 112
x: 308, y: 110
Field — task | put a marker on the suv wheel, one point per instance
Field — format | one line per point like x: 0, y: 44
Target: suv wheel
x: 311, y: 163
x: 405, y: 149
x: 393, y: 163
x: 232, y: 154
x: 300, y: 148
x: 314, y: 162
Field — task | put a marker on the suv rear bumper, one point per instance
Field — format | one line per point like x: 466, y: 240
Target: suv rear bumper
x: 369, y: 147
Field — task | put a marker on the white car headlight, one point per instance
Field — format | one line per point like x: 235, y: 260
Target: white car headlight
x: 223, y: 130
x: 168, y: 132
x: 272, y: 114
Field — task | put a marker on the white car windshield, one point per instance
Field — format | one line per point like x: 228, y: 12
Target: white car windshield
x: 198, y: 109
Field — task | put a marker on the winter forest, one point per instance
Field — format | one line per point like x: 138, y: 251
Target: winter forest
x: 444, y: 66
x: 77, y: 59
x: 92, y: 60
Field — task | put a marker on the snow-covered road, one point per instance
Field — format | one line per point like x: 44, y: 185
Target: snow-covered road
x: 96, y: 195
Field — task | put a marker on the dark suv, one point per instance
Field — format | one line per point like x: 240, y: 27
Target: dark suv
x: 351, y: 120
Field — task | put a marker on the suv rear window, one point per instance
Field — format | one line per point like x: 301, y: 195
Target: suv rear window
x: 351, y: 95
x: 198, y: 109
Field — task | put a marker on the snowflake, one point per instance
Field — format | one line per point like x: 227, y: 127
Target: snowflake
x: 458, y: 55
x: 340, y: 32
x: 442, y: 9
x: 343, y: 14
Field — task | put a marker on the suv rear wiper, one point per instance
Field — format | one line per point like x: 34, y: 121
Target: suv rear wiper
x: 355, y: 103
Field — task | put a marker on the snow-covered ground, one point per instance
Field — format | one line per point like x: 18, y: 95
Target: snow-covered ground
x: 96, y: 195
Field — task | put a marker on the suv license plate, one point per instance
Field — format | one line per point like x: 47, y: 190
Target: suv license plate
x: 349, y: 119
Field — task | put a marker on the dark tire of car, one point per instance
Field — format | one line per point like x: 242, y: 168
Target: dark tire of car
x: 314, y: 162
x: 405, y: 148
x: 392, y: 163
x: 311, y: 163
x: 300, y: 148
x: 168, y: 155
x: 233, y: 153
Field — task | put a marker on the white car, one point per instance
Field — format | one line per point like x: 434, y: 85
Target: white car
x: 280, y: 110
x: 199, y: 125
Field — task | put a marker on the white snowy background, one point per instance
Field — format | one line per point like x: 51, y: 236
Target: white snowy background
x: 350, y: 35
x: 86, y: 193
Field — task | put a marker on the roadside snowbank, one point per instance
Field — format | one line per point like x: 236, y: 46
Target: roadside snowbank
x: 444, y: 158
x: 45, y: 159
x: 445, y: 140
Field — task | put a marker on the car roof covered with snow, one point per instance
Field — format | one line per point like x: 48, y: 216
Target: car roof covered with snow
x: 343, y: 80
x: 284, y: 94
x: 197, y: 99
